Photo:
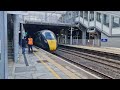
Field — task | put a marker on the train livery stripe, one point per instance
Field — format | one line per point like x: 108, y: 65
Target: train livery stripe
x: 52, y: 44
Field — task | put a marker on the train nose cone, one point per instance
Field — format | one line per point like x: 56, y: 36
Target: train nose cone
x: 52, y: 45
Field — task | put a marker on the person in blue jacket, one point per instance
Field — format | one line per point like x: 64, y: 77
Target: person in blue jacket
x: 23, y: 45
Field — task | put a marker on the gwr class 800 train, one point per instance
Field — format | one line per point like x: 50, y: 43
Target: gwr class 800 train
x: 45, y: 39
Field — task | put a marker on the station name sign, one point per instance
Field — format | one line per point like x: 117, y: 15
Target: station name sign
x: 104, y: 40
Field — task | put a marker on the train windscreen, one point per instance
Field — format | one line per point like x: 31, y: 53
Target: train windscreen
x: 49, y: 35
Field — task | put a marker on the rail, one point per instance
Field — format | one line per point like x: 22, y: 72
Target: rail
x: 102, y: 67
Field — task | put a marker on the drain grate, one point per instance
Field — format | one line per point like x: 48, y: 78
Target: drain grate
x: 43, y: 61
x: 38, y: 61
x: 35, y: 51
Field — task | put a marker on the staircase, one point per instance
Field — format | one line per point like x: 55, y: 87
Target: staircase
x: 10, y: 51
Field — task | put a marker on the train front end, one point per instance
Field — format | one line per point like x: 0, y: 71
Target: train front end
x: 51, y: 40
x: 52, y: 45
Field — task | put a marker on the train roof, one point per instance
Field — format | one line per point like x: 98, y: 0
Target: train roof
x: 42, y: 31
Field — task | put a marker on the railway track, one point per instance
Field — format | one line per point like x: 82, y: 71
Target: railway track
x: 109, y: 62
x: 50, y: 54
x: 109, y: 55
x: 106, y: 68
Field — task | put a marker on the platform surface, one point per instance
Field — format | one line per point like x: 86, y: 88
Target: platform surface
x: 102, y: 49
x: 38, y: 66
x: 43, y: 65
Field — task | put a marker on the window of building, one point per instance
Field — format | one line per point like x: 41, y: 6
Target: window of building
x: 76, y: 13
x: 116, y: 22
x: 86, y: 15
x: 81, y: 14
x: 106, y: 20
x: 115, y: 25
x: 98, y: 17
x: 91, y: 15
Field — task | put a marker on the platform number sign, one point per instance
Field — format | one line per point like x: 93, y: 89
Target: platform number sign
x: 0, y: 49
x: 104, y: 40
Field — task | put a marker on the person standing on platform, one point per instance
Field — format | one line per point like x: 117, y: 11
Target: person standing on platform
x: 23, y: 45
x: 30, y: 44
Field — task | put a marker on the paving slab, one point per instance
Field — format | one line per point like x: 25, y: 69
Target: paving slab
x: 24, y: 69
x: 36, y: 69
x: 42, y: 75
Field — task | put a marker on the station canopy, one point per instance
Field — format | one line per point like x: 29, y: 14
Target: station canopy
x: 44, y: 16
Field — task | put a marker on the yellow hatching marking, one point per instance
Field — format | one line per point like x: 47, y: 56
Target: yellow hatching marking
x: 52, y: 71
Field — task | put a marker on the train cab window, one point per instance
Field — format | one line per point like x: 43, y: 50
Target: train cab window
x: 49, y: 35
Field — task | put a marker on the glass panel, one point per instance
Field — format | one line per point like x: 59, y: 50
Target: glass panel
x: 116, y: 22
x: 91, y: 15
x: 81, y: 14
x: 106, y: 23
x: 86, y: 15
x: 106, y: 20
x: 98, y: 17
x: 76, y: 13
x: 69, y: 15
x: 116, y: 25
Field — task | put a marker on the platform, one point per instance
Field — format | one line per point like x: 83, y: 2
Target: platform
x: 43, y: 65
x: 102, y: 49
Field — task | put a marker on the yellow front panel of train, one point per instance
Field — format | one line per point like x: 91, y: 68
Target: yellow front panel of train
x: 52, y: 44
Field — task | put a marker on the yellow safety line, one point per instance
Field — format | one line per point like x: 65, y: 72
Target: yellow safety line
x: 60, y: 66
x: 52, y: 71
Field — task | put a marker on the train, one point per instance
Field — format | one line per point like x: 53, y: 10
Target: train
x: 46, y: 40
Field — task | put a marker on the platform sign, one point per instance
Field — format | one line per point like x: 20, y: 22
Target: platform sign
x: 104, y: 40
x: 0, y: 49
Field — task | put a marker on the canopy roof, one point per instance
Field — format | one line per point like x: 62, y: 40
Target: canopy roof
x: 49, y: 16
x: 52, y: 12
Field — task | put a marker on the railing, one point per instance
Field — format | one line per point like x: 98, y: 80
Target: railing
x: 98, y: 25
x: 89, y: 42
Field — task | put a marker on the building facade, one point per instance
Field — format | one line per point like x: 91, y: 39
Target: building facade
x: 103, y: 25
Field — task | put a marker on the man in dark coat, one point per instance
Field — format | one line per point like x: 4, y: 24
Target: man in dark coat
x: 23, y: 45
